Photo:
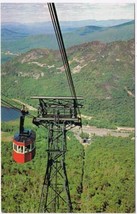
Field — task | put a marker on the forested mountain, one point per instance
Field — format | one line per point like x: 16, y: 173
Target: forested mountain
x: 103, y: 74
x: 101, y: 174
x: 16, y: 42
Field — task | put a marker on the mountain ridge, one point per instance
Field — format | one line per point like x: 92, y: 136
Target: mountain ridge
x: 17, y: 45
x: 103, y: 73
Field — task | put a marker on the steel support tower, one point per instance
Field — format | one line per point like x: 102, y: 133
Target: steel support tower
x: 58, y: 115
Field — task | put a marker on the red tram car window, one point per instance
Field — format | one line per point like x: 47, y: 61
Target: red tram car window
x: 27, y: 149
x: 15, y: 147
x: 20, y: 149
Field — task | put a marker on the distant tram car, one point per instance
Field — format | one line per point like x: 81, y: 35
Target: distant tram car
x: 24, y: 146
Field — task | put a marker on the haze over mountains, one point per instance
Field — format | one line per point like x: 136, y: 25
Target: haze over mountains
x: 18, y: 38
x: 46, y: 27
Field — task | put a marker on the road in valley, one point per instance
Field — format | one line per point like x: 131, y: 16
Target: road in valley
x: 92, y: 130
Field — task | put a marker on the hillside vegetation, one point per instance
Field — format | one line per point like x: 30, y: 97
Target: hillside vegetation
x: 104, y: 170
x: 101, y: 173
x: 103, y: 74
x: 20, y: 41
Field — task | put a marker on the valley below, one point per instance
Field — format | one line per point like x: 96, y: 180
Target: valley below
x: 100, y: 157
x: 94, y: 131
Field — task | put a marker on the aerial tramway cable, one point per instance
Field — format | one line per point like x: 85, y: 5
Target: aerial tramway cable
x: 59, y: 37
x: 60, y: 43
x: 9, y: 104
x: 13, y: 106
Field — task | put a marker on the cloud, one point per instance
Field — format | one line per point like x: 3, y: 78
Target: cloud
x: 96, y: 11
x: 34, y: 12
x: 24, y: 12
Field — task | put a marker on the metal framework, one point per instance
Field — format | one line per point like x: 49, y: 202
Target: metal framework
x: 58, y: 115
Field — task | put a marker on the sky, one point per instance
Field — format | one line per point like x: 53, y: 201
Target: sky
x: 38, y: 12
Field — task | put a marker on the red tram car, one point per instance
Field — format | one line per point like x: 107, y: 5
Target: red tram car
x: 24, y: 146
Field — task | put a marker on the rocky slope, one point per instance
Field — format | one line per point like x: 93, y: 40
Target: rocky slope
x: 103, y: 73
